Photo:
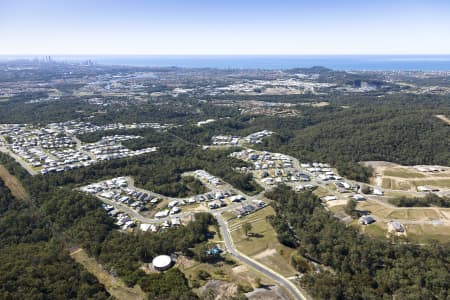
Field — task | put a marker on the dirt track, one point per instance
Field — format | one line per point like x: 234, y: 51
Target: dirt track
x: 114, y: 285
x: 443, y: 118
x: 13, y: 184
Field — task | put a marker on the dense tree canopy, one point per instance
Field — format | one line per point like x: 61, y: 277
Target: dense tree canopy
x: 35, y: 265
x: 428, y: 200
x: 361, y: 267
x: 36, y: 233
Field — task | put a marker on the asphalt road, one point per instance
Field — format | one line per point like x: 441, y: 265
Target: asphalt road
x: 26, y: 166
x: 293, y: 290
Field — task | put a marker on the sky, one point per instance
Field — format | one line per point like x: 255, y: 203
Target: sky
x: 225, y: 27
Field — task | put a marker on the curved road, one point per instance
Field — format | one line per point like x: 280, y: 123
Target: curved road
x: 138, y: 217
x: 283, y: 281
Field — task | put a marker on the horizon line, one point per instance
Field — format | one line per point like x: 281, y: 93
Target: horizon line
x: 225, y: 54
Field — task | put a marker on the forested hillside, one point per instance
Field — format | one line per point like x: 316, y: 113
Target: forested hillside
x: 359, y: 267
x: 379, y: 133
x: 35, y: 264
x: 396, y: 128
x: 39, y: 232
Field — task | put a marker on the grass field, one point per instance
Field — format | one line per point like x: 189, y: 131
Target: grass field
x: 386, y: 183
x: 405, y: 184
x: 425, y: 233
x: 396, y: 184
x: 417, y: 233
x: 403, y: 173
x: 337, y: 208
x: 374, y: 208
x: 115, y: 286
x: 443, y: 174
x: 321, y: 192
x: 376, y: 230
x: 390, y: 193
x: 396, y: 177
x: 414, y: 214
x: 400, y: 213
x: 445, y: 183
x: 263, y: 246
x: 228, y: 215
x: 13, y: 184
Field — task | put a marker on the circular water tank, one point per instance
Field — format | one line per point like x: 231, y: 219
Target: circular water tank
x: 162, y: 262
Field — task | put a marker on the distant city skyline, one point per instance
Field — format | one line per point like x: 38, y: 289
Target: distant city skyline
x: 202, y: 27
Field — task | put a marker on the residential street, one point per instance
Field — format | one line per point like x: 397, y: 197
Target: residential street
x: 293, y: 290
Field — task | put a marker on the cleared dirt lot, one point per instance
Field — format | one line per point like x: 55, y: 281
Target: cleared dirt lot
x: 225, y: 271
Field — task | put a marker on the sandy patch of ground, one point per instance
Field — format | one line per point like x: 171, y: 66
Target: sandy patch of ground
x: 264, y: 254
x: 336, y: 203
x: 218, y: 289
x: 240, y: 269
x: 185, y: 262
x: 445, y: 213
x: 320, y: 104
x: 268, y: 293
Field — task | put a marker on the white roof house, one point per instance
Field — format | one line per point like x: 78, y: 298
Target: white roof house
x: 428, y: 189
x: 329, y: 198
x: 175, y: 210
x: 237, y: 198
x: 144, y: 227
x: 366, y: 220
x: 172, y: 203
x: 378, y: 191
x: 162, y: 214
x: 359, y: 197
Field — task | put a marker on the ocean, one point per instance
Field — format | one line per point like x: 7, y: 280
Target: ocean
x: 335, y: 62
